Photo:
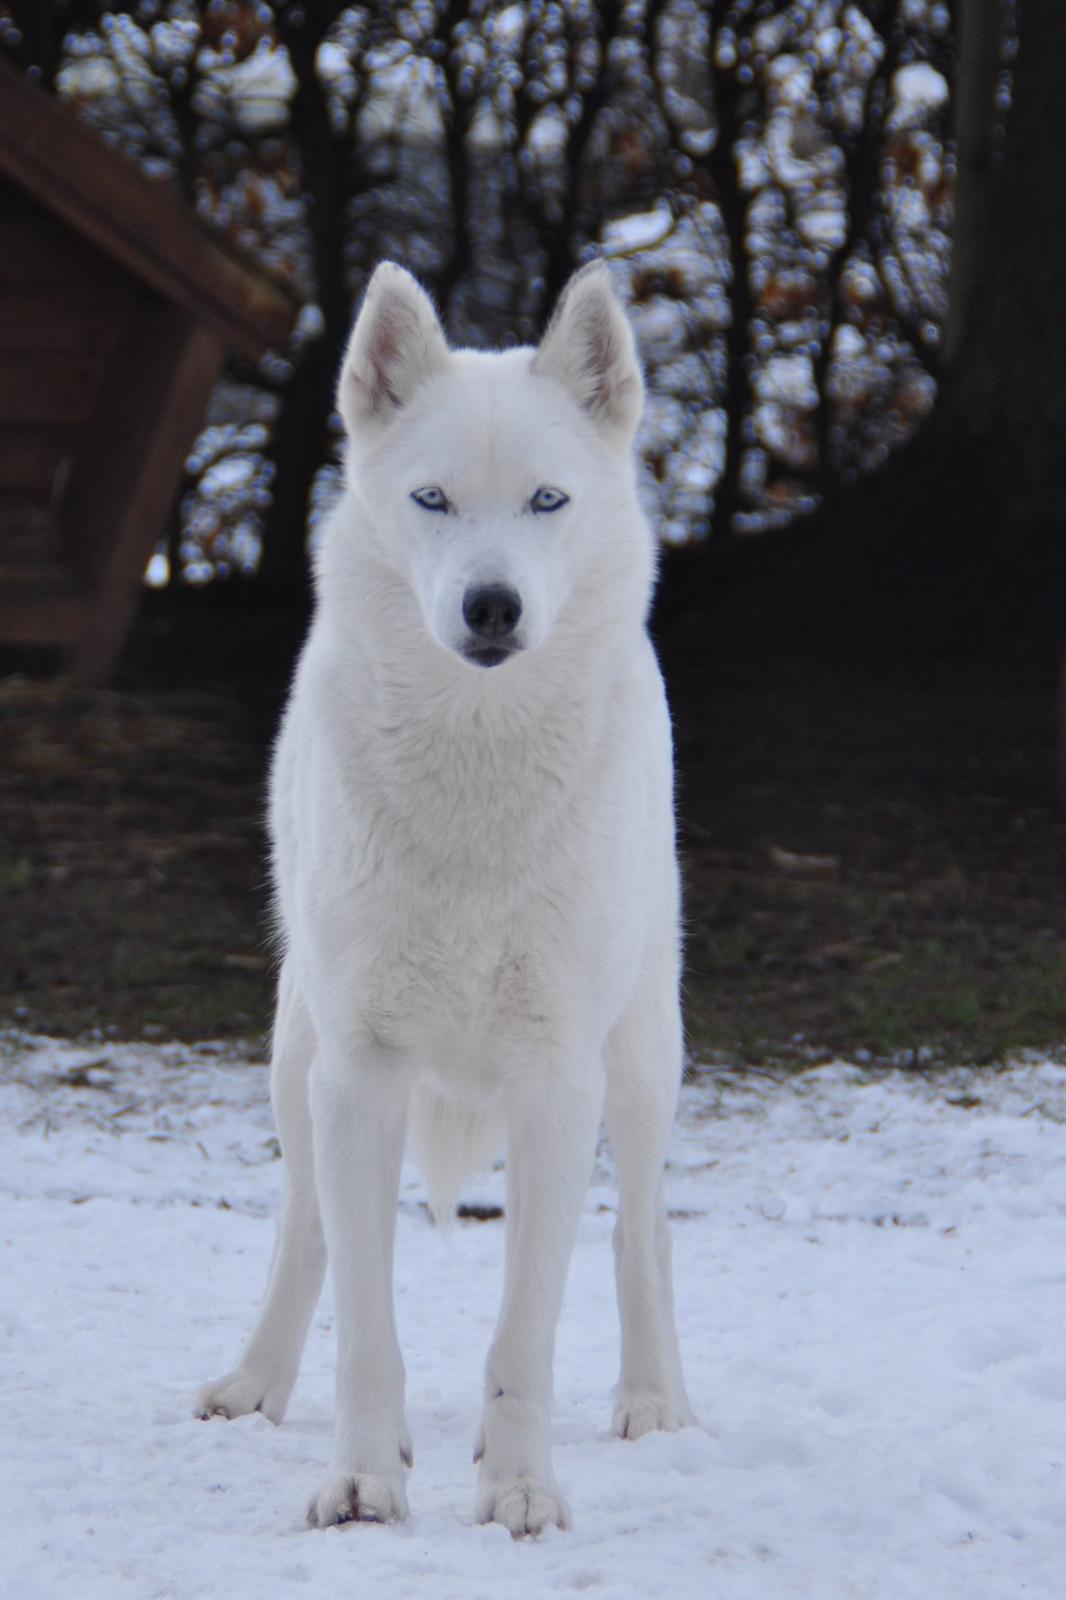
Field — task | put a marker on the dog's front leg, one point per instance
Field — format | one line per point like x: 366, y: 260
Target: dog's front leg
x: 359, y: 1108
x: 552, y: 1130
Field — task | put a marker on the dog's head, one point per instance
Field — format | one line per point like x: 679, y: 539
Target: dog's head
x: 499, y: 485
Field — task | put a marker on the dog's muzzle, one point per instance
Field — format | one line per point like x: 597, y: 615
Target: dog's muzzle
x: 491, y: 612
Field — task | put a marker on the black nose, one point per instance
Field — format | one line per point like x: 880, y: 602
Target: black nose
x: 491, y: 612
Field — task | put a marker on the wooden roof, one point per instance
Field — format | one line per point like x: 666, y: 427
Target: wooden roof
x: 143, y: 225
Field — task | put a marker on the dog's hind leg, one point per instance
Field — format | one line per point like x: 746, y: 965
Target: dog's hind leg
x: 551, y: 1139
x: 264, y: 1379
x: 643, y: 1063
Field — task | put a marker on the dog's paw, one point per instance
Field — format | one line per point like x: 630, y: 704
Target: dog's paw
x: 358, y: 1497
x: 641, y: 1411
x: 239, y: 1393
x: 524, y: 1506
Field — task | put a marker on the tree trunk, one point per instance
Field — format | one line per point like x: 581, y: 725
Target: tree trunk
x: 300, y: 443
x: 979, y: 30
x: 736, y: 402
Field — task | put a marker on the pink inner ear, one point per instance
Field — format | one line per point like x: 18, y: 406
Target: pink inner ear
x: 401, y: 345
x: 601, y: 355
x: 601, y: 380
x: 382, y: 354
x: 588, y: 348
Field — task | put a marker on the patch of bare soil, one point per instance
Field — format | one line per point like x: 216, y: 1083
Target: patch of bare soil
x: 132, y: 864
x: 874, y: 863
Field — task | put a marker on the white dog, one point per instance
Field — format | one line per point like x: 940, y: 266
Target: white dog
x: 474, y: 854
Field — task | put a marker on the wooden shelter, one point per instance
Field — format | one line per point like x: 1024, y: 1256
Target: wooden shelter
x: 117, y: 310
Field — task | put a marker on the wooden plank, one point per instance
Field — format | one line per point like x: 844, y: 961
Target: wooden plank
x: 49, y: 388
x: 57, y: 158
x: 126, y: 479
x: 59, y: 317
x: 31, y: 458
x: 117, y: 435
x: 37, y: 248
x: 29, y: 545
x: 39, y: 617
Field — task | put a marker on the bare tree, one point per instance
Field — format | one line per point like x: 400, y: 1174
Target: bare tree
x: 959, y: 540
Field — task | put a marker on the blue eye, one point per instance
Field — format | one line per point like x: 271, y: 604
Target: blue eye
x: 431, y: 498
x: 547, y: 499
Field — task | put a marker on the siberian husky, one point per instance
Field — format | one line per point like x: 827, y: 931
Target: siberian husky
x: 473, y: 839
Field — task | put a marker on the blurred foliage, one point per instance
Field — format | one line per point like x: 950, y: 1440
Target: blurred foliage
x: 770, y: 181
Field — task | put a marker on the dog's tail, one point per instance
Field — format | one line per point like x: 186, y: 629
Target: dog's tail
x: 452, y: 1139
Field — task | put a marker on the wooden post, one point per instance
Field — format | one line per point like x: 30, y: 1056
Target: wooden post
x: 122, y: 487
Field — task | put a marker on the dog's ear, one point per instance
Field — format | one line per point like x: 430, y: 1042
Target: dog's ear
x: 589, y: 348
x: 396, y: 344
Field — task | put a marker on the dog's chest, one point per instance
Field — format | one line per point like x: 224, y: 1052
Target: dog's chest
x: 468, y: 901
x: 432, y: 980
x: 473, y: 950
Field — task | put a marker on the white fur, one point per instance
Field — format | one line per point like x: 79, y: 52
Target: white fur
x: 476, y: 883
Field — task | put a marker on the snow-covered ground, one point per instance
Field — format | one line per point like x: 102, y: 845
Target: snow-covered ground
x: 871, y: 1277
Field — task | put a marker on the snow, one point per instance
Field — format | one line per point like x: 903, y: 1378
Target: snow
x: 333, y: 62
x: 157, y: 572
x: 848, y: 342
x: 871, y: 1278
x: 789, y: 380
x: 260, y: 87
x: 88, y: 78
x: 643, y: 231
x: 824, y: 223
x: 917, y: 90
x: 509, y: 26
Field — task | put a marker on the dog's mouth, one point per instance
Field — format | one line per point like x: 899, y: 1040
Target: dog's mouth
x: 489, y: 655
